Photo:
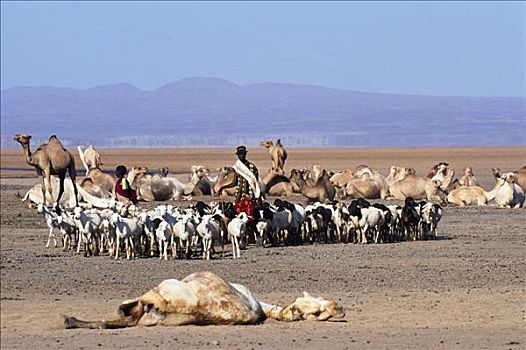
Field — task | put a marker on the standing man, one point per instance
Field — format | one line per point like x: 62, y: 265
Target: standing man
x: 247, y: 181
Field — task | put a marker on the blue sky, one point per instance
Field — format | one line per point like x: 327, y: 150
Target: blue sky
x: 427, y: 48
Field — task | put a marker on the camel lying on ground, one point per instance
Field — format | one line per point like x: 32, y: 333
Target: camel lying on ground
x: 521, y: 177
x: 321, y: 191
x: 34, y: 195
x: 367, y: 183
x: 508, y: 193
x: 157, y: 188
x: 278, y: 155
x: 418, y: 187
x: 397, y: 173
x: 203, y: 298
x: 99, y: 183
x: 272, y: 184
x: 470, y: 195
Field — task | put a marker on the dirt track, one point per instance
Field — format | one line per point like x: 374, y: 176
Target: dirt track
x: 464, y: 291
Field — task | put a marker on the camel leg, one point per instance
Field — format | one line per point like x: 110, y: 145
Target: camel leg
x: 43, y: 187
x: 61, y: 177
x: 72, y: 322
x: 73, y: 176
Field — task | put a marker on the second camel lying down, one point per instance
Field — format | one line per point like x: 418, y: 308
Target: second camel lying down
x: 203, y: 298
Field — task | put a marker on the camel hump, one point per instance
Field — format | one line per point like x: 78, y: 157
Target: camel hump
x: 53, y: 140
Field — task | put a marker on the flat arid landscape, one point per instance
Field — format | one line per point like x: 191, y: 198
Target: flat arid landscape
x: 465, y: 290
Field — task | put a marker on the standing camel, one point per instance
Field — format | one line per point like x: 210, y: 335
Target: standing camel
x: 50, y: 159
x: 89, y: 158
x: 277, y: 153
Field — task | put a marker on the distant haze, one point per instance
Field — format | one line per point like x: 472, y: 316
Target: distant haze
x: 216, y: 112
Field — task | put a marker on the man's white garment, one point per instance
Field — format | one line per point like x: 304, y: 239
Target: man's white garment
x: 244, y: 171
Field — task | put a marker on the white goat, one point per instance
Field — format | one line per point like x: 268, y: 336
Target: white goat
x: 127, y: 230
x: 182, y: 231
x: 163, y: 233
x: 51, y: 221
x: 88, y: 225
x: 237, y: 229
x: 68, y: 229
x: 211, y: 229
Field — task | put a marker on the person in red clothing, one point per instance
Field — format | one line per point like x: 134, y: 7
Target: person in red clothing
x: 123, y: 190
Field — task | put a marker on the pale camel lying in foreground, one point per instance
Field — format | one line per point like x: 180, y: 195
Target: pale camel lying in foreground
x: 203, y: 298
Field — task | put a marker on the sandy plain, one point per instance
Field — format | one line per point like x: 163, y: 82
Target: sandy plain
x: 463, y: 291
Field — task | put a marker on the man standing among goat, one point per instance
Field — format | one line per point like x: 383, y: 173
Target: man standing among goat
x: 247, y: 182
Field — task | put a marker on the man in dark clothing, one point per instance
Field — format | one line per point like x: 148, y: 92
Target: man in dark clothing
x: 123, y: 190
x: 248, y: 192
x: 247, y: 181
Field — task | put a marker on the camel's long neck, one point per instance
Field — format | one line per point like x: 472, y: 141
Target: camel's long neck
x: 271, y: 311
x: 491, y: 194
x: 190, y: 186
x: 27, y: 153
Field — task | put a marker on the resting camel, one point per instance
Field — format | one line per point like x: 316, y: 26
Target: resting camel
x: 50, y: 159
x: 99, y: 183
x: 366, y: 183
x: 225, y: 183
x: 89, y: 158
x: 321, y: 191
x: 508, y: 193
x: 397, y: 173
x: 156, y: 188
x: 203, y: 298
x: 273, y: 185
x: 418, y: 187
x: 444, y: 175
x: 205, y: 185
x: 469, y: 178
x: 521, y: 177
x: 278, y: 155
x: 68, y: 199
x: 469, y: 195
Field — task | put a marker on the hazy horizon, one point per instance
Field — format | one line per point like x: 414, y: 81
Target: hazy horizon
x: 242, y: 85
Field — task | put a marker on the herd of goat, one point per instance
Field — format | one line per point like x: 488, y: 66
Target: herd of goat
x: 199, y: 228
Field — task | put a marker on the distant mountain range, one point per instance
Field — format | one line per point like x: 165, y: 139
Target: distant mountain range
x: 217, y: 112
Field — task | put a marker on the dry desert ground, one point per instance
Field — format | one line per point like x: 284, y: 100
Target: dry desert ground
x: 465, y: 290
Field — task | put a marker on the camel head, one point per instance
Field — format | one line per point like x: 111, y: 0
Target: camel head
x: 23, y: 139
x: 393, y: 170
x: 225, y: 179
x: 312, y: 308
x: 510, y: 177
x: 468, y: 171
x: 163, y: 172
x: 200, y: 170
x: 496, y: 172
x: 266, y: 143
x: 442, y: 168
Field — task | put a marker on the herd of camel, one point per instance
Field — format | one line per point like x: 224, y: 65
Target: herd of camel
x: 52, y: 162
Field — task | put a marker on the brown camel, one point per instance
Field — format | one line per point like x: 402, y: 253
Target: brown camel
x: 321, y: 191
x: 277, y: 153
x: 50, y: 159
x: 274, y: 183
